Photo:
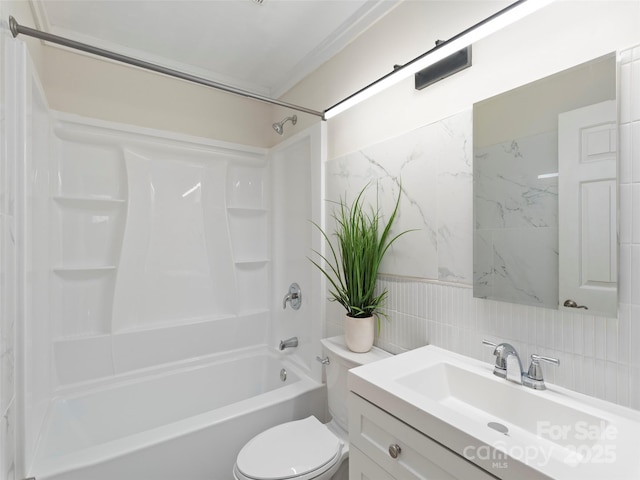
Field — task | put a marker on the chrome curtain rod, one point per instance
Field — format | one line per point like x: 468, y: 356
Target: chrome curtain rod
x: 31, y: 32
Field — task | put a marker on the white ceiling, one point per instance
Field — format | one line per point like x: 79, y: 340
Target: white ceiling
x: 264, y: 48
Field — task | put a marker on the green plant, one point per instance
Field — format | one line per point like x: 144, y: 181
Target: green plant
x: 353, y: 273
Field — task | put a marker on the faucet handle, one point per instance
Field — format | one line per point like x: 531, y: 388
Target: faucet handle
x: 534, y: 378
x: 500, y: 368
x: 294, y: 297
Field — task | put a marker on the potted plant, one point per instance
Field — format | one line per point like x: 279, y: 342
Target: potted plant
x: 352, y: 268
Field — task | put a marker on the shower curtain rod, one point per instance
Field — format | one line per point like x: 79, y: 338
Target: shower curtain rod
x: 31, y: 32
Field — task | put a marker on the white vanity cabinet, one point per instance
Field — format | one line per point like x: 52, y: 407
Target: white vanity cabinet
x: 375, y: 436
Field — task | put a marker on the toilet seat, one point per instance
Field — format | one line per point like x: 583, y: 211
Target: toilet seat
x: 299, y: 450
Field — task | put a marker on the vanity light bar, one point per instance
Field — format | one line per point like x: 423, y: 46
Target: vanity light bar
x: 486, y: 27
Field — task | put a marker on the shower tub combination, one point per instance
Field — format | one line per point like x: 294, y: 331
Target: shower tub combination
x: 150, y: 302
x: 187, y: 424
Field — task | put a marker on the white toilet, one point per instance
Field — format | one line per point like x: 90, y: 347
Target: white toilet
x: 307, y: 449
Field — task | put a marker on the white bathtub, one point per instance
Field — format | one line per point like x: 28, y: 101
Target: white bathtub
x: 187, y: 424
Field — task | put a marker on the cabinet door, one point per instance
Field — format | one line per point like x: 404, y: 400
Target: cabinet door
x: 373, y: 431
x: 362, y: 467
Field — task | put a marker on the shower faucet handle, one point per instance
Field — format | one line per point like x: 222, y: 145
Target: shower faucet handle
x: 294, y: 297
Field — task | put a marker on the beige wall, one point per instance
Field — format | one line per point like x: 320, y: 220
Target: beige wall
x: 95, y: 87
x: 561, y: 35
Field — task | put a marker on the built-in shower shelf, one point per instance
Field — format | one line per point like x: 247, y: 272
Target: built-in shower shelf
x: 252, y: 262
x: 247, y: 210
x: 252, y: 311
x: 87, y: 200
x: 84, y: 269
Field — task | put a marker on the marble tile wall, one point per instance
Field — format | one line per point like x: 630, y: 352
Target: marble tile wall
x: 599, y: 356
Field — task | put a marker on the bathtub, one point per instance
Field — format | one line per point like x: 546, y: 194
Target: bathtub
x: 184, y: 424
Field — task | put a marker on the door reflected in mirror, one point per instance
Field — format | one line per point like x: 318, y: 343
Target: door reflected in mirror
x: 545, y: 192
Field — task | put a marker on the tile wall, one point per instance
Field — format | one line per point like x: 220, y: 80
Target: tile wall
x: 599, y: 356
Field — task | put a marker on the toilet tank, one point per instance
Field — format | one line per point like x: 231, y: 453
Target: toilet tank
x: 341, y: 359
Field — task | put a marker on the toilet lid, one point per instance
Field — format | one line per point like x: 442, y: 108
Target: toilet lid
x: 289, y: 450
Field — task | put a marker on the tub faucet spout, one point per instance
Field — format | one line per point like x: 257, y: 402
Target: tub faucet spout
x: 288, y: 343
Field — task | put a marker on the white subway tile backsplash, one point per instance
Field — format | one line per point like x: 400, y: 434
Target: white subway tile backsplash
x: 578, y: 334
x: 567, y: 332
x: 589, y: 336
x: 611, y: 381
x: 634, y: 99
x: 622, y: 396
x: 578, y: 373
x: 624, y: 274
x: 556, y: 323
x: 612, y: 339
x: 600, y: 339
x: 588, y: 375
x: 635, y: 148
x: 626, y: 213
x: 634, y: 387
x: 624, y: 334
x: 635, y: 273
x: 626, y: 153
x: 625, y: 92
x: 634, y: 322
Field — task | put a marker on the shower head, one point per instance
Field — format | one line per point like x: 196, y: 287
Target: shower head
x: 279, y: 126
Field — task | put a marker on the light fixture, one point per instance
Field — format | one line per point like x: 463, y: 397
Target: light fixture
x: 489, y: 25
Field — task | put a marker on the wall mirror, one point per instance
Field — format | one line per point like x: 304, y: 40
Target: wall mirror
x: 545, y: 192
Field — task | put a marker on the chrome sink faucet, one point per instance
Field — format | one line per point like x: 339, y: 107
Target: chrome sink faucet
x: 508, y: 364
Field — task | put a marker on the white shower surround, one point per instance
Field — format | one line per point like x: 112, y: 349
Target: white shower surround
x: 159, y: 248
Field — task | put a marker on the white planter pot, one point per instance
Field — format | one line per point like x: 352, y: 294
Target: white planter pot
x: 359, y: 333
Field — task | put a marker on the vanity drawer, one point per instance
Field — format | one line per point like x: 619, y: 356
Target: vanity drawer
x: 373, y: 431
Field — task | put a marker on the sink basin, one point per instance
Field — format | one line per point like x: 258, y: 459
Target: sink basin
x: 482, y: 399
x: 512, y: 431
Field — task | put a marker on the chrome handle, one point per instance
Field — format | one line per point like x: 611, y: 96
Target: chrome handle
x: 395, y: 450
x: 501, y: 362
x: 572, y: 304
x: 294, y: 297
x: 554, y: 361
x: 323, y: 360
x: 533, y: 378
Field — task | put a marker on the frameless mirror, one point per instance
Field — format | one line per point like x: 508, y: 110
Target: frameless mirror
x: 545, y: 192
